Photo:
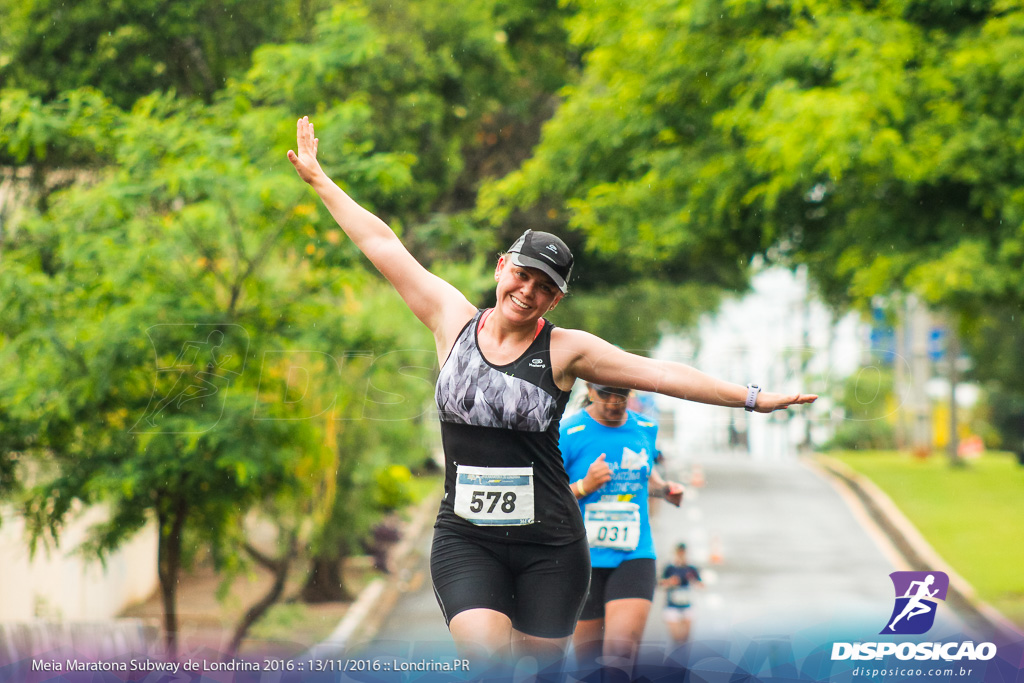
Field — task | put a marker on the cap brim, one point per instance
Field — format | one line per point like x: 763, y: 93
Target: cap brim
x: 618, y: 391
x: 527, y: 262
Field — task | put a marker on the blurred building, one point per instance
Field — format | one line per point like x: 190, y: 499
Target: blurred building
x: 60, y: 584
x: 776, y: 336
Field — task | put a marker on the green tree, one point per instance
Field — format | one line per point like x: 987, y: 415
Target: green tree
x: 130, y: 49
x: 462, y: 87
x: 151, y: 289
x: 139, y: 308
x: 994, y: 340
x: 376, y: 419
x: 877, y: 143
x: 854, y: 137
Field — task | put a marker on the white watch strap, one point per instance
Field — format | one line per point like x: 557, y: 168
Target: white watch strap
x: 752, y: 392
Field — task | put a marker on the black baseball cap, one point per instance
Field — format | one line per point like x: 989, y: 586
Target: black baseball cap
x: 605, y: 389
x: 545, y: 252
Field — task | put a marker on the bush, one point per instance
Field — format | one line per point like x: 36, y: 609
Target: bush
x: 392, y: 487
x: 866, y: 398
x: 875, y: 434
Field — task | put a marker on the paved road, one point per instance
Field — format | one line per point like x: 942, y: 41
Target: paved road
x: 792, y: 556
x: 792, y: 559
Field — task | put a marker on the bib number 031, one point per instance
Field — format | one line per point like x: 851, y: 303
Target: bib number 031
x: 613, y: 525
x: 494, y: 496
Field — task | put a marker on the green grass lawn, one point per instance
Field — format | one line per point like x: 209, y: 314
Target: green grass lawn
x: 972, y: 516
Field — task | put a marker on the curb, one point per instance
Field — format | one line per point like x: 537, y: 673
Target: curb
x: 375, y: 602
x: 915, y: 549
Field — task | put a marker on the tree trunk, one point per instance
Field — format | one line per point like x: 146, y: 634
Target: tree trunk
x: 279, y: 567
x: 953, y: 351
x: 325, y: 583
x: 195, y: 57
x: 169, y: 567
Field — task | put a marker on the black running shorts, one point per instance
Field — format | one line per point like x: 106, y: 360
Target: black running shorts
x: 631, y: 579
x: 539, y: 587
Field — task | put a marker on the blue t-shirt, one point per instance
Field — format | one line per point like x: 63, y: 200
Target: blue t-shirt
x: 629, y: 451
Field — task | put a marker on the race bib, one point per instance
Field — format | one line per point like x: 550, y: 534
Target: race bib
x: 679, y: 596
x: 613, y: 525
x: 494, y: 496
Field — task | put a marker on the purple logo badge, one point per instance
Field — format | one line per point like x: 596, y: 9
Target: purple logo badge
x: 917, y: 594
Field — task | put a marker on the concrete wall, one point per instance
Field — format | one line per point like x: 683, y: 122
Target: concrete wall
x: 60, y: 584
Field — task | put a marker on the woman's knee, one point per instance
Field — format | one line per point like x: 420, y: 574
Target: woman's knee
x: 481, y: 633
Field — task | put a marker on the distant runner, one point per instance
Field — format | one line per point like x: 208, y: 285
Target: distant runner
x: 680, y: 578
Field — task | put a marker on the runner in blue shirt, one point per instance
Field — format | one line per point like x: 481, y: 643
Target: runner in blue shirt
x: 609, y: 455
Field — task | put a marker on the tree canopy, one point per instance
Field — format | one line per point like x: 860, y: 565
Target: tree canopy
x: 876, y: 142
x: 131, y: 49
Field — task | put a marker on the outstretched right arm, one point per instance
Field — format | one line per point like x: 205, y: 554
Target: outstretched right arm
x: 437, y: 304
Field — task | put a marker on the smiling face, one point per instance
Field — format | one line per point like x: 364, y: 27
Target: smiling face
x: 524, y: 294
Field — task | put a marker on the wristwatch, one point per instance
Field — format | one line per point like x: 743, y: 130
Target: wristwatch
x: 752, y: 391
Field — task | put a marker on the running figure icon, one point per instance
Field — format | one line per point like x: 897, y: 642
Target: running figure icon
x: 917, y: 594
x: 916, y: 605
x: 207, y: 358
x: 201, y: 384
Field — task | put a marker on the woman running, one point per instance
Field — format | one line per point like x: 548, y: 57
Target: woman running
x: 509, y: 561
x: 609, y: 455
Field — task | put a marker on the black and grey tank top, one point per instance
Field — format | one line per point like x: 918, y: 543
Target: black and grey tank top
x: 504, y: 478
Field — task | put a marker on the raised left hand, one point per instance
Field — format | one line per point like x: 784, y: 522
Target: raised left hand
x: 306, y: 142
